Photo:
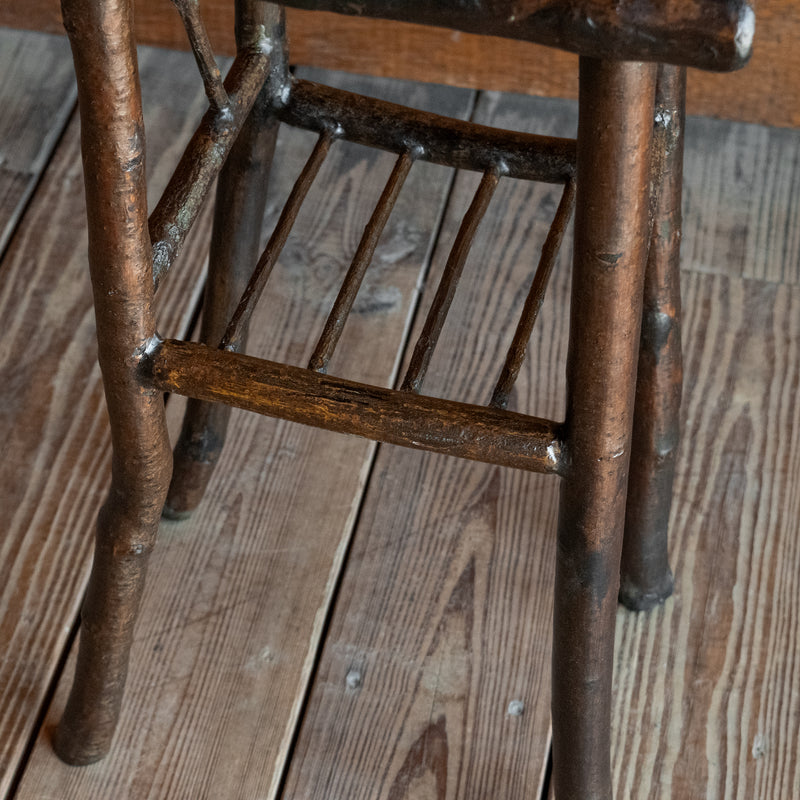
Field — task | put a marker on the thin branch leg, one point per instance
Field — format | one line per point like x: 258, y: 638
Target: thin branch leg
x: 238, y: 219
x: 611, y: 217
x: 646, y: 577
x: 120, y: 264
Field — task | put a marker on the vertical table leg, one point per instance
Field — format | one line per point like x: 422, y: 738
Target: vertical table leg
x: 611, y: 229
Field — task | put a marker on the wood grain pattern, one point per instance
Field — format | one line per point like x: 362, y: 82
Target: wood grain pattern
x: 37, y: 95
x: 445, y: 608
x: 764, y: 91
x: 706, y: 703
x: 55, y: 441
x: 237, y: 595
x: 742, y: 200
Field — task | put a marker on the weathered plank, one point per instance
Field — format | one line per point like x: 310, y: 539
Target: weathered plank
x: 707, y: 702
x: 238, y: 594
x: 742, y: 195
x: 37, y: 95
x: 52, y: 418
x: 445, y: 610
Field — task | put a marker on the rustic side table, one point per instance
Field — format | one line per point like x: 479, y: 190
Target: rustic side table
x: 622, y: 178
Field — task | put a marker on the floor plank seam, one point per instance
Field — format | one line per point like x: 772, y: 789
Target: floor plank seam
x: 41, y: 714
x: 329, y: 614
x: 34, y: 182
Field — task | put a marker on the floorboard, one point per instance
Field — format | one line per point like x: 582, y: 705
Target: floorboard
x: 37, y: 94
x: 708, y: 703
x: 742, y: 200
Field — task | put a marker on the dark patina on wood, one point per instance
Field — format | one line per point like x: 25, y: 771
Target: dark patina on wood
x: 113, y: 147
x: 646, y: 578
x: 610, y: 252
x: 301, y: 395
x: 451, y: 142
x: 711, y: 34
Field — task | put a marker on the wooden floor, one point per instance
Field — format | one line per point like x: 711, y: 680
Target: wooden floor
x: 344, y: 621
